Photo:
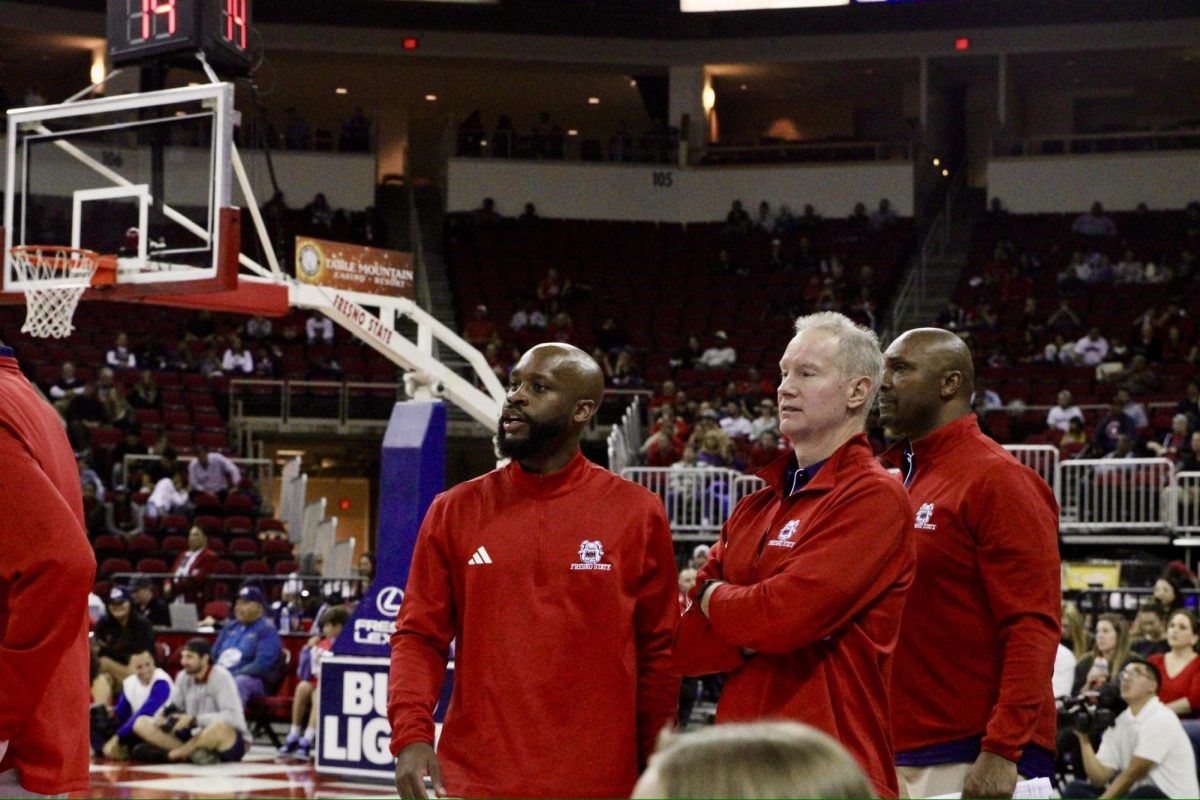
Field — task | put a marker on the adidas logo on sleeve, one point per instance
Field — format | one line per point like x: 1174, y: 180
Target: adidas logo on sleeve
x: 481, y: 557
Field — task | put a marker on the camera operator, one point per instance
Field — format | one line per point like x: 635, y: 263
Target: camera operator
x: 1146, y: 753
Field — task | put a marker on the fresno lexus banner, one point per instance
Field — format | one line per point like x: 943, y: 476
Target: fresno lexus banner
x: 353, y: 267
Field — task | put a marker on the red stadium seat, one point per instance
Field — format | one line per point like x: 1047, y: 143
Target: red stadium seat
x: 224, y: 566
x: 141, y: 545
x: 152, y: 565
x: 242, y: 547
x: 174, y: 524
x: 210, y: 524
x: 255, y: 566
x: 238, y: 526
x: 113, y: 565
x: 275, y: 549
x: 108, y: 546
x: 269, y: 526
x: 286, y: 567
x: 208, y: 503
x: 238, y: 503
x: 217, y: 609
x: 172, y: 546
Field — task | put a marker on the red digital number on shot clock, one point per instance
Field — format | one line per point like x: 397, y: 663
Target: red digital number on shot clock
x: 157, y: 8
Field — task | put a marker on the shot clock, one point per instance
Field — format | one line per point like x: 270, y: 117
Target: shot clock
x: 140, y: 31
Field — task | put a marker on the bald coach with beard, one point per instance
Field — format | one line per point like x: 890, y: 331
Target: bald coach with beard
x: 556, y: 579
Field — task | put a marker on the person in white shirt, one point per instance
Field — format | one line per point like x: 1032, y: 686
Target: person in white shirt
x: 121, y: 356
x: 735, y: 423
x: 718, y: 356
x: 1064, y: 671
x: 1091, y: 349
x: 319, y: 327
x: 1146, y: 749
x: 237, y: 357
x: 765, y: 421
x: 212, y: 472
x: 984, y: 397
x: 1061, y: 415
x: 168, y: 496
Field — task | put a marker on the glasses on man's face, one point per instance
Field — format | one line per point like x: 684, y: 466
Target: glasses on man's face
x: 1129, y: 673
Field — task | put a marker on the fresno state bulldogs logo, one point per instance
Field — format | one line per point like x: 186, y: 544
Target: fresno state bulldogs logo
x: 924, y: 514
x: 784, y: 537
x: 590, y: 553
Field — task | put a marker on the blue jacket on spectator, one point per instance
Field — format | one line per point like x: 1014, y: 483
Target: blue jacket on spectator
x: 253, y: 649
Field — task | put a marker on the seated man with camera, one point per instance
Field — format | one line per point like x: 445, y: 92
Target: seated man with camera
x: 204, y: 721
x: 1146, y: 753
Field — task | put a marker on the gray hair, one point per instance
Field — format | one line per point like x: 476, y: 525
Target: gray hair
x: 858, y: 346
x: 1180, y: 418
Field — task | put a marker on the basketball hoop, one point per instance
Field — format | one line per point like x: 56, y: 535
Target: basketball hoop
x: 54, y: 279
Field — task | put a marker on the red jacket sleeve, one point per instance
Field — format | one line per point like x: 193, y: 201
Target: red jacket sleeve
x: 655, y: 615
x: 697, y: 649
x: 47, y: 562
x: 1015, y: 520
x: 857, y: 549
x: 425, y: 626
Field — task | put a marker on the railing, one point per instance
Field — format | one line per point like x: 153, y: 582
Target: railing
x: 257, y: 468
x: 1131, y: 500
x: 1131, y: 494
x: 778, y: 152
x: 1077, y: 144
x: 626, y: 438
x: 341, y: 403
x: 1041, y: 458
x: 698, y: 500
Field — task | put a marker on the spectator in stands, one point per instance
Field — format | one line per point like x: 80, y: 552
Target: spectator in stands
x: 356, y: 133
x: 479, y: 329
x: 1094, y: 223
x: 1129, y: 269
x: 167, y: 497
x: 1190, y: 404
x: 767, y: 420
x: 1112, y: 644
x: 250, y: 647
x: 1064, y: 320
x: 318, y: 329
x: 1132, y: 409
x: 67, y: 386
x: 1064, y: 668
x: 87, y: 475
x: 883, y: 216
x: 365, y: 573
x: 237, y: 357
x: 191, y: 569
x: 1059, y: 417
x: 265, y: 365
x: 117, y: 409
x: 1091, y: 349
x: 1122, y: 449
x: 1075, y: 433
x: 561, y: 327
x: 1075, y: 632
x: 143, y: 693
x: 212, y: 727
x: 1148, y: 632
x: 688, y: 356
x: 1179, y: 666
x: 297, y: 134
x: 766, y: 449
x: 122, y: 517
x: 1146, y: 753
x: 1175, y: 443
x: 737, y: 223
x: 612, y: 336
x: 734, y: 422
x: 119, y: 634
x: 212, y: 472
x: 504, y: 137
x: 528, y: 316
x: 766, y: 759
x: 1189, y: 460
x: 257, y: 329
x: 83, y: 413
x: 720, y: 355
x: 1137, y: 378
x: 984, y: 398
x: 303, y: 733
x: 663, y: 447
x: 716, y: 449
x: 763, y: 219
x: 200, y: 327
x: 858, y: 220
x: 120, y: 355
x: 954, y: 317
x: 625, y: 374
x: 145, y: 393
x: 1168, y: 592
x: 146, y: 604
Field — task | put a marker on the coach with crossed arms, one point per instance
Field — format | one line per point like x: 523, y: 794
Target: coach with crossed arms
x: 972, y: 703
x: 556, y: 579
x: 800, y: 600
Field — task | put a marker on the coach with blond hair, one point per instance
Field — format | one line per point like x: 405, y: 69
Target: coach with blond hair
x: 801, y: 598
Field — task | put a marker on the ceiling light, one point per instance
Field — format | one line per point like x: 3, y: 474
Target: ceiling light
x: 341, y: 90
x: 593, y: 101
x: 945, y: 173
x: 937, y: 162
x: 742, y: 87
x: 632, y: 82
x: 572, y: 132
x: 431, y: 97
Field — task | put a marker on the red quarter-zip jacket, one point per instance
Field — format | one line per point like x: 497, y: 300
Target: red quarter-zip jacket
x: 46, y: 572
x: 981, y: 628
x: 561, y: 593
x: 818, y: 581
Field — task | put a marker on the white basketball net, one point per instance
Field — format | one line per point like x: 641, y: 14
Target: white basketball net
x: 54, y: 279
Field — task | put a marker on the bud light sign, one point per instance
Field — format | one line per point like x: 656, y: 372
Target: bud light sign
x: 353, y: 733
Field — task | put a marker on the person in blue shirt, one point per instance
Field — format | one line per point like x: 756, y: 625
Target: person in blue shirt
x: 250, y: 647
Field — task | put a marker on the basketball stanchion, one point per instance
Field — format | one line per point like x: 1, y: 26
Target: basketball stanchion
x: 54, y: 278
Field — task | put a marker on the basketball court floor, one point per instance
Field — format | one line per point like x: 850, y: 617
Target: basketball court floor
x: 260, y: 774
